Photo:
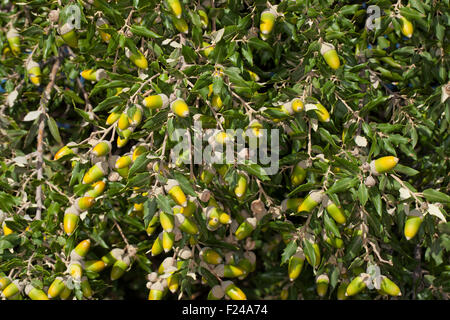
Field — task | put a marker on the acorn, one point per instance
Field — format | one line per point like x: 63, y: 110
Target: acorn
x: 342, y: 289
x: 406, y: 27
x: 119, y: 267
x: 102, y: 24
x: 216, y: 101
x: 121, y: 142
x: 56, y: 288
x: 76, y: 269
x: 101, y: 149
x: 157, y: 291
x: 322, y: 283
x: 334, y: 211
x: 174, y: 190
x: 63, y: 152
x: 141, y: 149
x: 112, y: 256
x: 322, y: 113
x: 157, y: 247
x: 228, y: 271
x: 317, y: 254
x: 137, y: 58
x: 180, y: 25
x: 267, y: 22
x: 383, y: 165
x: 6, y: 230
x: 71, y: 218
x: 96, y: 172
x: 67, y: 32
x: 329, y: 53
x: 96, y: 190
x: 210, y: 256
x: 168, y: 240
x: 34, y: 72
x: 112, y: 118
x: 216, y: 293
x: 175, y: 7
x: 156, y: 101
x: 186, y: 224
x: 203, y: 18
x: 241, y: 186
x: 298, y: 174
x: 232, y: 291
x: 389, y: 287
x: 355, y: 286
x: 152, y: 225
x: 212, y: 218
x: 180, y: 108
x: 412, y: 226
x: 65, y: 294
x: 86, y: 287
x: 80, y: 250
x: 4, y: 281
x: 245, y: 228
x: 190, y: 208
x: 167, y: 221
x: 84, y: 203
x: 297, y: 105
x: 291, y: 204
x: 295, y: 265
x: 94, y: 265
x: 34, y: 293
x: 12, y: 290
x: 311, y: 201
x: 93, y: 75
x: 14, y: 40
x: 173, y: 282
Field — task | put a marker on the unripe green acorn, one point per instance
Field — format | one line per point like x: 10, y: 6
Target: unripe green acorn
x: 167, y: 221
x: 328, y: 51
x: 267, y: 22
x: 241, y: 187
x: 295, y: 265
x: 56, y: 288
x: 103, y: 24
x: 311, y: 201
x: 71, y: 218
x: 34, y: 293
x: 216, y: 293
x: 4, y: 281
x: 186, y: 224
x: 175, y: 7
x: 232, y: 291
x: 322, y: 282
x: 156, y: 101
x: 63, y: 152
x: 157, y: 291
x: 245, y: 228
x: 84, y: 203
x: 65, y: 294
x: 334, y: 211
x: 76, y: 269
x: 119, y: 267
x: 189, y: 210
x: 12, y: 290
x: 34, y: 72
x: 317, y: 254
x: 210, y: 256
x: 173, y: 282
x: 322, y: 113
x: 383, y: 164
x: 13, y: 40
x: 180, y: 108
x: 228, y: 271
x: 96, y: 190
x: 203, y: 18
x: 157, y: 246
x: 138, y: 58
x: 96, y: 172
x: 168, y: 240
x: 174, y: 190
x: 112, y: 118
x: 101, y: 149
x: 291, y: 204
x: 412, y: 226
x: 298, y: 175
x: 180, y: 25
x: 112, y: 256
x: 94, y: 265
x: 152, y: 225
x: 67, y: 32
x: 355, y: 286
x: 86, y: 287
x: 389, y: 287
x: 81, y: 249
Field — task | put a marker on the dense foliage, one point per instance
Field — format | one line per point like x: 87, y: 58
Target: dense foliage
x: 361, y: 194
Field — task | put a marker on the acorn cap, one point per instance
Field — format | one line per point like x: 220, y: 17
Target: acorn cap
x: 101, y: 21
x: 152, y: 277
x: 157, y: 286
x: 67, y: 27
x: 12, y: 33
x: 372, y: 168
x: 72, y: 210
x: 217, y: 292
x: 299, y: 254
x: 32, y: 64
x: 325, y: 47
x: 250, y: 256
x: 226, y: 284
x: 185, y: 253
x: 252, y: 221
x: 100, y: 74
x: 316, y: 196
x: 220, y: 270
x: 323, y: 278
x: 165, y: 100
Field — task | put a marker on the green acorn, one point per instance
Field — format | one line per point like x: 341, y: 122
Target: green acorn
x: 94, y: 265
x: 13, y: 40
x: 101, y: 149
x: 210, y: 256
x: 156, y: 101
x: 81, y: 250
x: 298, y: 174
x: 168, y: 240
x: 342, y: 289
x: 295, y: 265
x: 322, y: 283
x: 355, y: 286
x: 137, y: 58
x: 71, y: 218
x: 34, y: 293
x: 4, y: 281
x: 334, y: 211
x: 216, y: 293
x: 86, y: 287
x: 119, y: 267
x: 68, y: 33
x: 228, y: 271
x: 12, y: 290
x: 112, y: 256
x: 311, y: 201
x: 383, y: 164
x: 328, y: 51
x: 157, y: 246
x: 389, y: 287
x: 412, y: 226
x: 96, y: 190
x: 56, y: 288
x: 186, y: 224
x: 232, y: 291
x: 245, y: 228
x: 157, y: 291
x: 96, y: 172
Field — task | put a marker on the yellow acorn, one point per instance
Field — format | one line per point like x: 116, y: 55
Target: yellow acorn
x: 212, y: 218
x: 94, y: 265
x: 124, y: 121
x: 186, y: 224
x: 232, y: 291
x: 81, y: 250
x: 34, y: 72
x: 180, y: 25
x: 56, y: 288
x: 168, y: 240
x: 267, y: 22
x: 113, y: 117
x: 141, y: 149
x: 203, y: 18
x: 175, y: 7
x: 228, y: 271
x: 156, y: 101
x: 241, y: 186
x: 157, y: 246
x: 245, y: 228
x: 93, y: 75
x: 63, y: 152
x: 310, y: 202
x: 76, y: 269
x: 101, y: 149
x: 95, y: 173
x: 167, y: 221
x: 224, y: 218
x: 13, y: 40
x: 174, y: 190
x: 322, y: 282
x: 322, y: 113
x: 407, y: 27
x: 210, y: 256
x: 216, y: 101
x: 412, y: 226
x: 180, y: 108
x: 297, y: 105
x: 34, y: 293
x: 84, y: 203
x: 67, y: 32
x: 6, y: 230
x: 137, y: 58
x: 295, y: 265
x: 123, y: 162
x: 71, y: 218
x: 355, y: 286
x: 291, y: 204
x: 328, y: 51
x: 383, y: 164
x: 121, y: 142
x: 334, y: 211
x: 189, y: 210
x: 4, y: 281
x: 390, y: 287
x: 96, y: 190
x: 112, y: 256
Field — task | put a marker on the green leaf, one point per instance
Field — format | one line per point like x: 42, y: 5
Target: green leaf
x: 288, y: 252
x: 433, y: 195
x: 185, y: 184
x: 163, y: 204
x: 330, y: 225
x: 139, y: 164
x: 108, y: 102
x: 54, y: 129
x: 309, y: 251
x: 144, y: 32
x: 343, y: 185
